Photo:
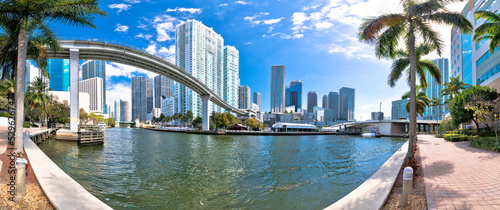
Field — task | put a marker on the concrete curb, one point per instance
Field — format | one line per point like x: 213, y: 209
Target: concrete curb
x: 373, y: 193
x: 61, y: 190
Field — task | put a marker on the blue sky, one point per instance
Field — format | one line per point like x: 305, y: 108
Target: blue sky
x: 315, y: 39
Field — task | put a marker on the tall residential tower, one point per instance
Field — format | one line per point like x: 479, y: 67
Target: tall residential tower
x: 278, y: 73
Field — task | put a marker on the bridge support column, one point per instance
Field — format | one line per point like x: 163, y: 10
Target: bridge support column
x: 206, y: 114
x: 73, y: 83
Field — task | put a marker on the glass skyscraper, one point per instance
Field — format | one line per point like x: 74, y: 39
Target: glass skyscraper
x: 95, y: 68
x: 312, y: 101
x: 142, y: 98
x: 257, y: 99
x: 333, y: 104
x: 347, y: 99
x: 472, y: 61
x: 294, y: 95
x: 398, y: 110
x: 278, y: 74
x: 164, y: 87
x: 58, y: 70
x: 434, y: 90
x: 200, y: 52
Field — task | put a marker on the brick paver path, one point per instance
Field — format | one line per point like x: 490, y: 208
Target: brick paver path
x: 458, y: 176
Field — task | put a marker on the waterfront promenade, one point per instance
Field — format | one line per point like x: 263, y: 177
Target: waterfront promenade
x: 458, y: 176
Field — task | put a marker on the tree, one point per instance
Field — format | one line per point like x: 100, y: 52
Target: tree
x: 197, y: 122
x: 422, y: 100
x: 402, y: 63
x: 94, y: 117
x: 221, y: 120
x: 23, y: 14
x: 483, y: 111
x: 189, y: 115
x: 437, y: 102
x: 458, y: 103
x: 110, y: 122
x: 57, y: 111
x: 253, y: 123
x: 454, y: 87
x: 35, y: 95
x: 84, y: 116
x: 232, y: 119
x: 490, y: 30
x: 389, y: 30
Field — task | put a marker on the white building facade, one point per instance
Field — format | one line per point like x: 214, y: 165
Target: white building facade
x: 93, y: 87
x: 168, y: 106
x: 231, y: 75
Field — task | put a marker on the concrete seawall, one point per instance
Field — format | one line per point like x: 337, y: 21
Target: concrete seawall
x: 61, y: 190
x: 373, y: 193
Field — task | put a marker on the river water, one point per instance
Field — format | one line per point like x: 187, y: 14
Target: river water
x: 144, y: 169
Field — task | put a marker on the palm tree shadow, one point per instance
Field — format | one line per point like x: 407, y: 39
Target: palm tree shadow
x: 437, y: 169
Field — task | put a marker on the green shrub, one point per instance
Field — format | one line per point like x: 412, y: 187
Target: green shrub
x: 455, y: 137
x: 439, y: 136
x: 26, y: 125
x: 6, y: 114
x: 486, y: 143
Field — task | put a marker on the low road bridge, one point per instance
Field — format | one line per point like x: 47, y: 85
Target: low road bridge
x: 389, y: 127
x: 74, y: 50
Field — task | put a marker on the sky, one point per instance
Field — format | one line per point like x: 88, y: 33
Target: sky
x: 315, y: 39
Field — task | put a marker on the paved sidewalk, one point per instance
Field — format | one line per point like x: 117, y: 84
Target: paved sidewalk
x: 458, y: 176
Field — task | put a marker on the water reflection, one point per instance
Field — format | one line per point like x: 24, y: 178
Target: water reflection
x: 148, y: 169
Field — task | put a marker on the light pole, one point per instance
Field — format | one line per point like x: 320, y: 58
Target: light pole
x: 380, y: 113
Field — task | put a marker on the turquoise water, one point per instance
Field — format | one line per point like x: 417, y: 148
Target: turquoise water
x: 144, y: 169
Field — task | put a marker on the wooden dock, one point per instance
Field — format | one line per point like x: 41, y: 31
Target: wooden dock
x: 90, y: 135
x: 39, y: 136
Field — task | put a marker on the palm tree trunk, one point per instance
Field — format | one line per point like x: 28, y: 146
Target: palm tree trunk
x: 413, y: 96
x: 20, y: 72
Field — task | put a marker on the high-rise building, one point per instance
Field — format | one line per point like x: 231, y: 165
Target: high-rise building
x: 325, y: 102
x: 333, y: 104
x: 118, y: 107
x: 125, y: 111
x: 278, y: 73
x: 168, y: 106
x: 142, y: 97
x: 244, y: 97
x: 164, y: 87
x: 257, y: 100
x: 377, y: 116
x: 346, y: 108
x: 31, y: 73
x: 398, y: 110
x: 312, y: 101
x: 231, y: 75
x: 58, y: 70
x: 95, y: 68
x: 434, y: 90
x: 93, y: 87
x: 471, y: 61
x: 294, y: 95
x: 200, y: 52
x: 105, y: 109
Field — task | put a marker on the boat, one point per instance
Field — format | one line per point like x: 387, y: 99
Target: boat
x: 371, y: 134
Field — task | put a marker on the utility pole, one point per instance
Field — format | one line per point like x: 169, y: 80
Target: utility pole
x: 380, y: 113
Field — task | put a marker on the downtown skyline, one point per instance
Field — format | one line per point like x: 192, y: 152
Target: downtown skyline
x: 319, y: 49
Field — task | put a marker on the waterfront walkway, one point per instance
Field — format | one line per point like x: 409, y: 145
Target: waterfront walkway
x: 458, y: 176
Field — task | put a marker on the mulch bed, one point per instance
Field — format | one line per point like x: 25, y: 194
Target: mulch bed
x: 416, y: 199
x: 34, y: 199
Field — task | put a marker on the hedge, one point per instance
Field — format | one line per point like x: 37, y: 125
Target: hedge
x: 486, y: 143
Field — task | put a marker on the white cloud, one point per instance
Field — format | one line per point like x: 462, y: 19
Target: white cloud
x: 181, y: 9
x: 120, y: 7
x: 241, y: 2
x: 272, y: 21
x: 117, y: 70
x: 351, y: 50
x: 164, y: 26
x: 323, y: 25
x: 121, y: 28
x: 133, y: 1
x: 297, y: 36
x: 223, y: 5
x: 151, y: 49
x: 144, y: 36
x: 247, y: 43
x: 283, y: 35
x: 298, y: 18
x: 117, y: 91
x: 168, y: 53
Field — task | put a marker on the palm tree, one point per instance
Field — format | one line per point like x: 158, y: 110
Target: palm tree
x: 36, y: 94
x: 490, y: 30
x: 7, y: 87
x: 437, y: 102
x: 402, y: 63
x: 389, y: 30
x: 422, y: 101
x: 22, y: 14
x: 454, y: 87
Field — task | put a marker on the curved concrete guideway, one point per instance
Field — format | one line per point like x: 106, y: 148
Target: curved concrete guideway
x: 74, y: 50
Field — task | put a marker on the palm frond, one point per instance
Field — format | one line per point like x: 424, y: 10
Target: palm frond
x: 397, y: 69
x: 371, y: 27
x: 433, y: 70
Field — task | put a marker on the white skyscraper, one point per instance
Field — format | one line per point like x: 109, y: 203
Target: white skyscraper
x: 244, y: 97
x: 231, y: 75
x: 200, y: 52
x: 93, y: 86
